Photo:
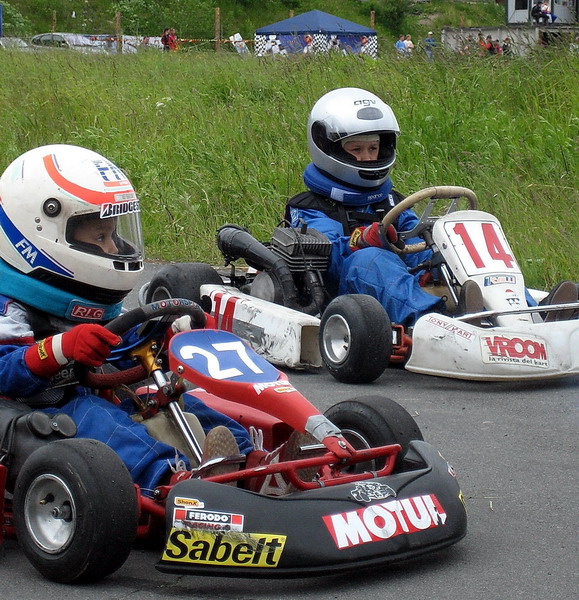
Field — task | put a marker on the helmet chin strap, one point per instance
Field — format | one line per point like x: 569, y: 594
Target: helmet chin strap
x: 54, y: 301
x: 319, y: 183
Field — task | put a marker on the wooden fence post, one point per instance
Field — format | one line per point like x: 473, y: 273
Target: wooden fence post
x: 118, y: 35
x: 217, y: 29
x: 373, y: 19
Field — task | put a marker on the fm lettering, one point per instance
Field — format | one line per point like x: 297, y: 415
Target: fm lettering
x: 26, y: 250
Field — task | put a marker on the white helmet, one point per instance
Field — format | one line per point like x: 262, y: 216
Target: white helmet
x: 344, y: 113
x: 46, y: 196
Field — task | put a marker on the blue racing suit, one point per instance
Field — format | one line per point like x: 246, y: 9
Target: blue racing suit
x: 148, y: 460
x: 374, y: 271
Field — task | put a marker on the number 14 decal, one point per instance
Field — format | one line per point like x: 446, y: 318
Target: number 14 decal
x: 493, y: 243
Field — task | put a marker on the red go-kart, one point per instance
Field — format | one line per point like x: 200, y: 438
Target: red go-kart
x: 381, y: 493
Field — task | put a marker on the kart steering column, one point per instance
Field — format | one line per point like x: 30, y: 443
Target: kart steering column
x: 166, y: 389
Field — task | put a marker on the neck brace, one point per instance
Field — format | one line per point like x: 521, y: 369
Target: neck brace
x: 52, y: 300
x: 319, y: 183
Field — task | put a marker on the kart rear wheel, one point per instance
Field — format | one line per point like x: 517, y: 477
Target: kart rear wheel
x: 370, y: 421
x: 75, y: 510
x: 355, y: 338
x: 181, y: 280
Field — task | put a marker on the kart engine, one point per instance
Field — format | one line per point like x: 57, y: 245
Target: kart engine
x: 301, y: 249
x: 289, y: 268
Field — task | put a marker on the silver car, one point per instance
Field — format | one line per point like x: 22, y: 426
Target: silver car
x: 13, y: 43
x: 71, y: 41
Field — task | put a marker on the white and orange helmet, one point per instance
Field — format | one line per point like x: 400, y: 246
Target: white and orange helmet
x: 43, y: 194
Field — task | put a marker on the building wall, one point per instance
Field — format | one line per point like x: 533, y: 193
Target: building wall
x: 523, y: 37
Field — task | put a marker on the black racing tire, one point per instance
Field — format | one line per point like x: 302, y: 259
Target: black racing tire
x: 75, y: 510
x: 370, y: 421
x: 355, y: 338
x: 181, y: 280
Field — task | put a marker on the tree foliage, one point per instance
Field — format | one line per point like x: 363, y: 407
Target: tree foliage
x: 14, y: 23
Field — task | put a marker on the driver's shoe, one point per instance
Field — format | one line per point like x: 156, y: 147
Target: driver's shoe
x: 276, y: 484
x: 470, y: 301
x: 221, y: 455
x: 563, y: 293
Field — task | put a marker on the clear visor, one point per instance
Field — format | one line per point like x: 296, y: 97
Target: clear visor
x: 118, y: 236
x: 384, y: 158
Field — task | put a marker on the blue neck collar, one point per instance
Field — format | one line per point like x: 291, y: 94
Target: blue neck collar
x: 51, y: 300
x: 320, y: 183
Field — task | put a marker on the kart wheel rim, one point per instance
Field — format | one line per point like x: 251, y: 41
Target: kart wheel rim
x: 336, y: 339
x: 359, y: 442
x: 50, y: 513
x: 160, y: 293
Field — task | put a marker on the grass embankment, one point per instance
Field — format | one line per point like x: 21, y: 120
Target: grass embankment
x: 212, y: 139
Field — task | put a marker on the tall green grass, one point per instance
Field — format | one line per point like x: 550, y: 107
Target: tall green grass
x: 209, y: 139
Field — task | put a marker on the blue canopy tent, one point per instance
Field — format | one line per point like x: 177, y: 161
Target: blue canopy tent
x: 317, y: 32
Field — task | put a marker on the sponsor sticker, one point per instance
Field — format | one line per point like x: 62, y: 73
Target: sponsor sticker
x: 499, y: 279
x: 385, y: 520
x: 119, y: 208
x: 280, y: 387
x: 190, y: 518
x: 194, y: 502
x: 513, y: 298
x: 372, y: 490
x: 87, y: 312
x: 231, y: 548
x: 513, y: 350
x: 451, y: 327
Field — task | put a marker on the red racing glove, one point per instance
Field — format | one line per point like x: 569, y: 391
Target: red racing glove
x: 373, y: 235
x: 88, y: 344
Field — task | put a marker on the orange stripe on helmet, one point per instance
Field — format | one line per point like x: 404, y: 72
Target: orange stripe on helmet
x: 92, y: 196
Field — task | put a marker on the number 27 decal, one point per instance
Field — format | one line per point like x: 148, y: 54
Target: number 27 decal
x: 214, y: 366
x: 494, y: 247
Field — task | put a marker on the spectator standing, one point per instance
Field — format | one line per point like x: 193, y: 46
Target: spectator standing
x: 489, y: 45
x: 507, y: 46
x: 482, y: 45
x: 409, y: 45
x: 363, y: 44
x: 429, y: 45
x: 165, y: 39
x: 400, y: 47
x: 172, y: 41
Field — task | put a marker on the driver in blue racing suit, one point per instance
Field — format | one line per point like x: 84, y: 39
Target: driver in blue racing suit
x: 352, y: 143
x: 70, y: 251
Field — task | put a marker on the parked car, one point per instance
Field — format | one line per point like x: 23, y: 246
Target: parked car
x: 71, y: 41
x: 13, y: 43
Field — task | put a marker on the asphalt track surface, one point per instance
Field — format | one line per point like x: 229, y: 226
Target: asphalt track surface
x: 515, y: 449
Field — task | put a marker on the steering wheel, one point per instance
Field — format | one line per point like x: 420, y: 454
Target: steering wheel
x: 426, y: 221
x: 123, y: 323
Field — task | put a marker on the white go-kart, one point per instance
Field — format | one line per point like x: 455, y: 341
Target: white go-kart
x: 279, y: 303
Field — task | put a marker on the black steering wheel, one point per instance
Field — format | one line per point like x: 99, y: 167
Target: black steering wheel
x: 426, y: 220
x: 123, y: 323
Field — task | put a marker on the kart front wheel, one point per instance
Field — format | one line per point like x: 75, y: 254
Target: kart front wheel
x: 75, y: 510
x: 370, y: 421
x: 355, y: 338
x: 181, y: 280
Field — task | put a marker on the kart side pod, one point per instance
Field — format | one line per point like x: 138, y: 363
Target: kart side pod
x: 22, y: 431
x: 283, y: 336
